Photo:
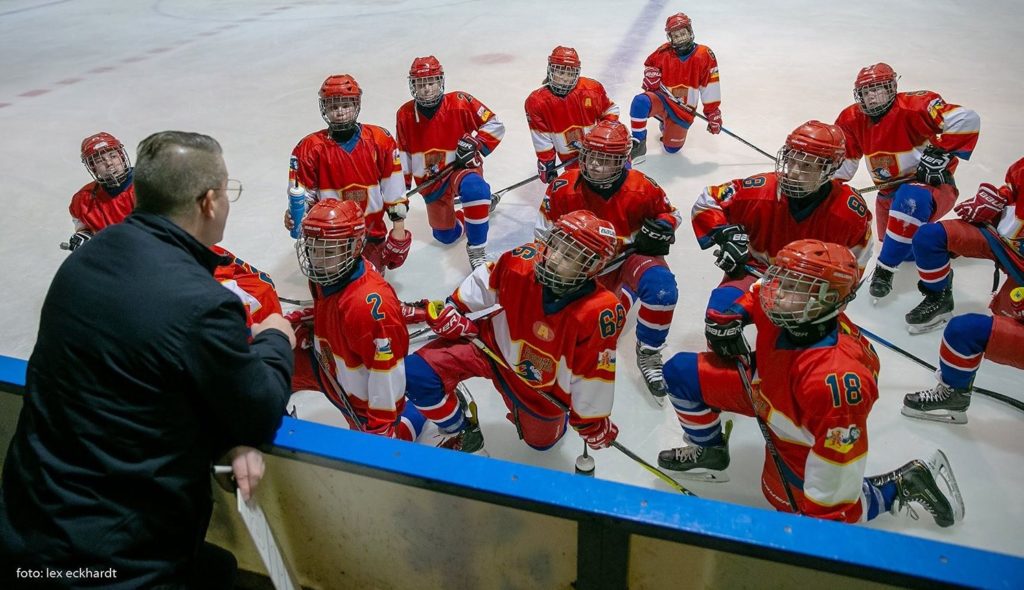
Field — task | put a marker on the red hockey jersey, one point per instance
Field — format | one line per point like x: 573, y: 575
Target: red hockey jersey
x: 254, y: 287
x: 758, y: 205
x: 366, y: 169
x: 556, y: 122
x: 93, y: 208
x: 1011, y: 222
x: 567, y: 351
x: 690, y: 78
x: 893, y: 146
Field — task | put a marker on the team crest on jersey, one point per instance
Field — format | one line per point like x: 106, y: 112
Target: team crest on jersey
x: 883, y: 166
x: 382, y: 350
x: 543, y: 331
x: 841, y: 439
x: 325, y: 356
x: 535, y: 366
x: 434, y: 160
x: 573, y: 135
x: 606, y: 360
x: 359, y: 194
x: 935, y: 109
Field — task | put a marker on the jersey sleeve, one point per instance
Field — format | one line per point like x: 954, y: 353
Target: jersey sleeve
x: 479, y: 291
x: 609, y: 110
x: 490, y: 130
x: 389, y: 163
x: 383, y: 345
x: 540, y: 130
x: 854, y: 152
x: 77, y: 210
x: 303, y: 169
x: 708, y: 212
x: 403, y: 150
x: 1011, y: 224
x: 662, y: 208
x: 834, y: 471
x: 957, y: 127
x: 591, y: 372
x: 859, y: 238
x: 710, y: 90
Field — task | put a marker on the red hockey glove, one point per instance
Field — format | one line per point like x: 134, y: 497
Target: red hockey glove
x: 546, y: 171
x: 984, y: 207
x: 599, y: 434
x: 448, y: 322
x: 302, y: 323
x: 724, y: 332
x: 652, y: 79
x: 467, y: 152
x: 715, y: 122
x: 415, y: 312
x: 395, y: 251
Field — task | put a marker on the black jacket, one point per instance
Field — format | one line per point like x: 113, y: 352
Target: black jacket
x: 142, y: 374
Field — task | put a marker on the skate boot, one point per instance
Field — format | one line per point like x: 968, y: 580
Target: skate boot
x: 881, y: 282
x: 648, y: 360
x: 941, y: 403
x: 470, y: 439
x: 918, y: 482
x: 699, y: 463
x: 477, y: 255
x: 639, y: 150
x: 495, y: 199
x: 935, y: 310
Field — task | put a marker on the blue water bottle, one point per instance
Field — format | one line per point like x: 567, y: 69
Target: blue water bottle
x: 296, y: 207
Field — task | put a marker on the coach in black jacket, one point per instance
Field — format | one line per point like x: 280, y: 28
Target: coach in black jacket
x: 141, y: 376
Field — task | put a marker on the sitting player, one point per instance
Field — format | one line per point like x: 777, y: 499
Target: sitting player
x: 436, y: 129
x: 645, y: 223
x: 689, y: 72
x: 558, y: 332
x: 254, y: 287
x: 814, y: 383
x: 562, y: 111
x: 110, y: 197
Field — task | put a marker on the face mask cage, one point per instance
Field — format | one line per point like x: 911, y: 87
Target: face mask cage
x: 564, y: 263
x: 800, y: 173
x: 562, y: 78
x: 876, y: 98
x: 109, y: 167
x: 324, y: 261
x: 601, y: 168
x: 427, y: 91
x: 792, y: 299
x: 681, y: 39
x: 340, y: 112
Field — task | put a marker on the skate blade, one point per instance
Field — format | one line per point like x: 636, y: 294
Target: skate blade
x: 639, y: 160
x: 659, y: 400
x: 706, y: 476
x: 944, y: 416
x: 935, y: 324
x: 940, y: 466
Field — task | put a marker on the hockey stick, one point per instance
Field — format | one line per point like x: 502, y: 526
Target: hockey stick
x: 442, y: 173
x: 496, y: 197
x: 564, y: 408
x: 987, y: 392
x: 693, y: 111
x: 339, y: 390
x: 880, y: 187
x: 299, y: 302
x: 741, y: 368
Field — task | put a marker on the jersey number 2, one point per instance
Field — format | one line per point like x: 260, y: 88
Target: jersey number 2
x: 374, y: 300
x: 848, y: 389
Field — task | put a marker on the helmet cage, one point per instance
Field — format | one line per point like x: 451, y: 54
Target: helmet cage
x: 794, y: 299
x: 875, y: 98
x: 795, y: 171
x: 108, y: 156
x: 599, y: 167
x: 427, y: 91
x: 557, y: 76
x: 565, y: 263
x: 681, y: 39
x: 342, y: 106
x: 326, y: 260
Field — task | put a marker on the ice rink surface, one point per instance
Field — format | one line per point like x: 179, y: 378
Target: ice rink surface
x: 247, y: 73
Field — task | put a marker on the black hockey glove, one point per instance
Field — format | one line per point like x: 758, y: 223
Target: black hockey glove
x: 654, y: 238
x: 546, y: 171
x: 79, y: 238
x: 733, y: 249
x: 932, y: 167
x: 467, y: 152
x: 724, y: 331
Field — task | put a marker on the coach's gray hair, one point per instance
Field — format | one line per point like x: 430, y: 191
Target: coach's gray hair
x: 174, y: 168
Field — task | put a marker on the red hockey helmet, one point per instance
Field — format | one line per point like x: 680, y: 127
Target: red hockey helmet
x: 604, y: 152
x: 811, y: 155
x: 106, y: 159
x: 679, y: 30
x: 340, y: 101
x: 809, y: 282
x: 426, y: 81
x: 576, y: 249
x: 875, y: 89
x: 332, y: 239
x: 563, y: 70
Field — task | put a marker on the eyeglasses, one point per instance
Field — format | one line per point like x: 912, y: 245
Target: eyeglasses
x: 233, y: 189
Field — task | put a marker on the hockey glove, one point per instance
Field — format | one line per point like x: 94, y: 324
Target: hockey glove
x: 79, y: 238
x: 600, y: 434
x: 654, y: 238
x: 414, y: 312
x: 733, y: 248
x: 395, y: 251
x: 931, y: 168
x: 724, y: 331
x: 985, y: 207
x: 467, y: 152
x: 448, y: 322
x: 546, y: 171
x: 652, y: 79
x: 715, y: 122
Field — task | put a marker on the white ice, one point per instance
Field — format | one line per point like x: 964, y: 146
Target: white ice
x: 247, y: 73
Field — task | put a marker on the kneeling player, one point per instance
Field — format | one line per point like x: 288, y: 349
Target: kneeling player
x: 814, y: 384
x: 555, y: 339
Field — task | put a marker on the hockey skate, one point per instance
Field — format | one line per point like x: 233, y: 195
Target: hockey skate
x: 477, y: 255
x: 941, y: 403
x: 935, y: 310
x: 495, y: 199
x: 470, y: 439
x: 881, y: 283
x: 696, y: 463
x: 648, y: 360
x: 918, y: 482
x: 638, y: 153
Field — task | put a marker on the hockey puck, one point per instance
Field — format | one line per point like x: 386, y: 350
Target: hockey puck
x: 585, y: 465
